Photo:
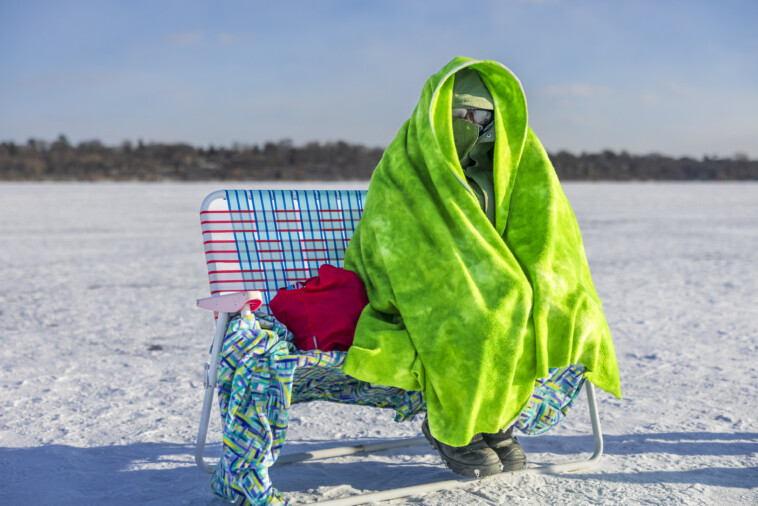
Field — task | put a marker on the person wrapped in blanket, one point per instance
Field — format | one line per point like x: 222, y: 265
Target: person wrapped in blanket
x: 474, y: 267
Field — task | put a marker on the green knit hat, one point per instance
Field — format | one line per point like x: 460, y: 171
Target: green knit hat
x: 470, y: 91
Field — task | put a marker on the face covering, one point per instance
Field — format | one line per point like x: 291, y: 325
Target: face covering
x: 474, y: 151
x: 468, y: 91
x: 465, y: 135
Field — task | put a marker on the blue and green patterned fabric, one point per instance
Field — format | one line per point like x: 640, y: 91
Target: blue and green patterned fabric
x: 261, y: 374
x: 551, y: 399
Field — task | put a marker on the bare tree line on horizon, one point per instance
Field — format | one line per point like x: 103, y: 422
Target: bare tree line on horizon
x: 39, y: 160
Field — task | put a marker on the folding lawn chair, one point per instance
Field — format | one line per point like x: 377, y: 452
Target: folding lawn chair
x: 257, y: 241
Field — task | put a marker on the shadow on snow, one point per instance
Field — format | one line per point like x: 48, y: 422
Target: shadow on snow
x: 164, y: 473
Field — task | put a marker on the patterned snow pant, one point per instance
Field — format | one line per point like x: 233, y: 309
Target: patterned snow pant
x: 261, y: 374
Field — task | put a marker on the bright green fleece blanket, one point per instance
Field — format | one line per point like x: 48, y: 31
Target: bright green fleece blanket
x: 468, y: 312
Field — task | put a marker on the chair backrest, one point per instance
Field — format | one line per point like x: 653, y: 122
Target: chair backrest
x: 268, y: 239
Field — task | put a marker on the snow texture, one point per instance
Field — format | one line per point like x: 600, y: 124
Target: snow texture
x: 102, y: 353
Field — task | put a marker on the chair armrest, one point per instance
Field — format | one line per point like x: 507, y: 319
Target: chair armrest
x: 233, y: 302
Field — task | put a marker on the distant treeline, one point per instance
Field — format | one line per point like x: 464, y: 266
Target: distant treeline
x: 39, y: 160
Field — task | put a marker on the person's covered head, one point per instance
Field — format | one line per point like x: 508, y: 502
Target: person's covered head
x: 472, y: 109
x: 471, y: 98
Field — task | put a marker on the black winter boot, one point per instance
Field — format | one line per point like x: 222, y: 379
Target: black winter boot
x: 507, y: 447
x: 475, y: 459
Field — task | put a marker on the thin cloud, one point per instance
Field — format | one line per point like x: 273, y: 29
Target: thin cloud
x: 576, y: 91
x: 227, y: 38
x: 682, y: 89
x: 671, y: 91
x: 67, y: 78
x: 581, y: 120
x: 45, y: 81
x: 649, y: 99
x: 184, y: 38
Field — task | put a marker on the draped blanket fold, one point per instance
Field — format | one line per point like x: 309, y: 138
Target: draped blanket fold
x: 467, y: 312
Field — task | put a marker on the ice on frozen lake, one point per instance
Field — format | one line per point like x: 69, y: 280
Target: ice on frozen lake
x: 102, y: 353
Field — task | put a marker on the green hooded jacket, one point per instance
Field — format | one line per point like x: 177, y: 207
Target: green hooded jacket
x: 468, y: 312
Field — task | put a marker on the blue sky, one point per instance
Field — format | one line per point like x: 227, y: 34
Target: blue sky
x: 672, y: 77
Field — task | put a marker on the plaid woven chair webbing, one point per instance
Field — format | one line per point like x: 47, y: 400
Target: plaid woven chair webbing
x: 268, y: 239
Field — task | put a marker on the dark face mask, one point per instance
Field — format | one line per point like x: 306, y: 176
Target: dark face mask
x: 465, y: 135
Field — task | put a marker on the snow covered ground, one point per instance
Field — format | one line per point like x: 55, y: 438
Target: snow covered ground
x: 102, y: 353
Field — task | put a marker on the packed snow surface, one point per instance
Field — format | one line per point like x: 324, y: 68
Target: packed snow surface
x: 102, y: 353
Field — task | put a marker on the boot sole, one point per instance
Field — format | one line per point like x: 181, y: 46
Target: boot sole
x: 458, y: 468
x: 512, y: 464
x: 509, y: 456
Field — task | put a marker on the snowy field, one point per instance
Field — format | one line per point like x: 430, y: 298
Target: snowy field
x: 102, y: 353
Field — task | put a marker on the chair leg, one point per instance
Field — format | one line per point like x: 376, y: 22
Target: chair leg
x: 341, y: 451
x: 399, y: 493
x: 209, y: 381
x: 564, y: 467
x: 567, y: 467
